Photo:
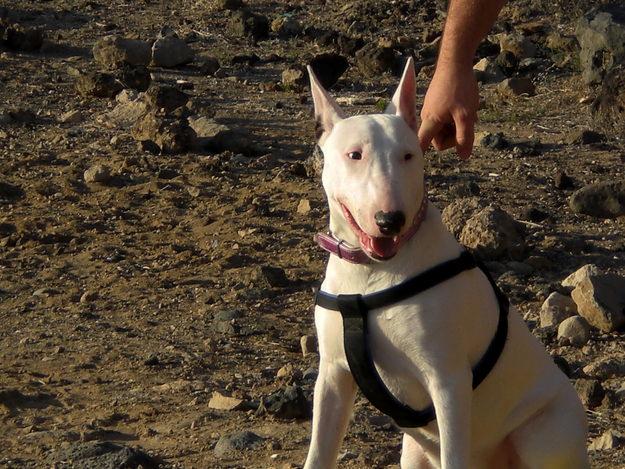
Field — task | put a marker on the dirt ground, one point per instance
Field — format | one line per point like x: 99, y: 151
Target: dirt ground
x: 110, y: 295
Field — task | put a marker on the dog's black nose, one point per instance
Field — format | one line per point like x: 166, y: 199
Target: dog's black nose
x: 390, y: 223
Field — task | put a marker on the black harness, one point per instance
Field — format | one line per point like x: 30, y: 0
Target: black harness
x: 355, y: 309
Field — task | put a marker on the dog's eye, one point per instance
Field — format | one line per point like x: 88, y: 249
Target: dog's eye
x: 354, y: 155
x: 408, y: 156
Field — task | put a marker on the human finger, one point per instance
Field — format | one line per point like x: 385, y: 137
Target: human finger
x: 427, y: 131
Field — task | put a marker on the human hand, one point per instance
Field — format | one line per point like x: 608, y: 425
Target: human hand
x: 449, y: 110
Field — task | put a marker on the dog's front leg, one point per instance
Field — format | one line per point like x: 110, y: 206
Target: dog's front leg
x: 451, y: 396
x: 335, y: 391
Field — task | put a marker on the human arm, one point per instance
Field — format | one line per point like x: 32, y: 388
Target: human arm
x: 450, y: 106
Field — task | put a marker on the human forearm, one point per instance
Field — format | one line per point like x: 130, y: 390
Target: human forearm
x: 468, y: 22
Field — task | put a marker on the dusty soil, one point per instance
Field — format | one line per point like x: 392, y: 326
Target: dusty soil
x: 173, y: 241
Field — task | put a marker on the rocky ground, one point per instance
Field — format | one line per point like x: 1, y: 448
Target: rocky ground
x: 157, y: 267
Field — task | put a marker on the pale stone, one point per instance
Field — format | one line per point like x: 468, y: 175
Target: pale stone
x: 574, y: 330
x: 572, y: 280
x: 601, y: 300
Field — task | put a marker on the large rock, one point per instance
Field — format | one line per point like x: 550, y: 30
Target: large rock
x: 456, y: 214
x: 113, y: 52
x: 170, y: 51
x: 170, y: 135
x: 555, y: 309
x: 601, y: 200
x: 601, y: 300
x: 601, y: 35
x: 493, y: 234
x: 608, y: 109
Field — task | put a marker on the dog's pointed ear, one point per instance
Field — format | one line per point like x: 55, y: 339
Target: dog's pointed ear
x: 327, y: 112
x: 404, y: 102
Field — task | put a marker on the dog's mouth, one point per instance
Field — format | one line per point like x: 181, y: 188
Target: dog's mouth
x: 378, y: 247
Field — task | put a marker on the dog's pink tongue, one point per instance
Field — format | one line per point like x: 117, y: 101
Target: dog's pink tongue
x: 383, y: 247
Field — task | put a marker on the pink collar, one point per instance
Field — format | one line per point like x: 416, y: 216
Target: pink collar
x: 355, y: 255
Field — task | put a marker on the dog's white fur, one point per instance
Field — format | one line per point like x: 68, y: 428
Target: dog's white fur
x: 525, y: 414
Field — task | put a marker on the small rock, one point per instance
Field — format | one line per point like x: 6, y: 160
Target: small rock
x: 168, y: 98
x: 98, y: 84
x: 605, y: 368
x: 492, y: 233
x: 308, y: 344
x: 171, y: 136
x: 286, y: 26
x: 170, y: 51
x: 608, y: 109
x: 208, y: 65
x: 533, y: 214
x: 71, y: 117
x: 585, y: 137
x: 97, y: 173
x: 373, y: 61
x: 217, y: 137
x: 517, y: 87
x: 271, y: 276
x: 101, y: 454
x: 234, y: 443
x: 288, y: 403
x: 294, y: 78
x: 456, y: 214
x: 113, y: 52
x: 89, y: 296
x: 329, y: 68
x: 574, y: 331
x: 487, y: 71
x: 590, y: 392
x: 24, y: 39
x: 580, y: 274
x: 244, y: 23
x: 496, y: 141
x: 562, y: 181
x: 611, y: 439
x: 601, y: 300
x: 601, y: 200
x: 556, y: 308
x: 507, y: 62
x: 220, y: 402
x: 303, y: 207
x: 519, y: 45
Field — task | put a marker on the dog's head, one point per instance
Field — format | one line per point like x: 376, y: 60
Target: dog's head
x: 373, y: 168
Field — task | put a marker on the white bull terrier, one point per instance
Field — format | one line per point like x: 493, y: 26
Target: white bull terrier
x: 525, y: 413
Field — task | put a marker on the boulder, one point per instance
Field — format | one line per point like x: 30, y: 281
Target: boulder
x: 601, y: 35
x: 601, y: 300
x: 113, y: 52
x: 601, y: 200
x: 574, y: 331
x: 608, y: 109
x: 493, y: 234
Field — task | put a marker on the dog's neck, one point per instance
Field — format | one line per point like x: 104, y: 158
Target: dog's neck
x: 430, y: 245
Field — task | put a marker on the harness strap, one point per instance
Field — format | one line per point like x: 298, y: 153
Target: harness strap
x: 354, y: 311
